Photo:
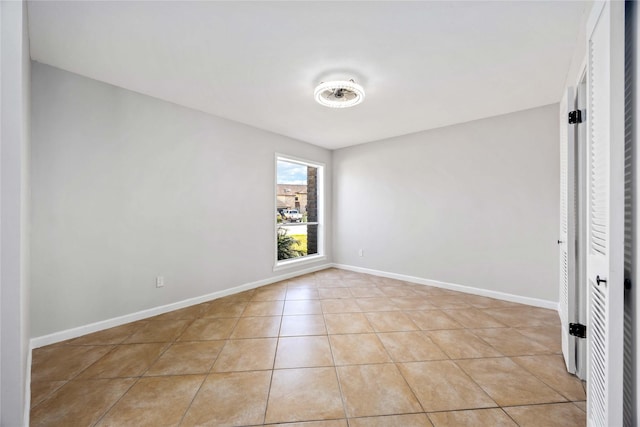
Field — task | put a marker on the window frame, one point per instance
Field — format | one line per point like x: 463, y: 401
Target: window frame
x: 307, y: 259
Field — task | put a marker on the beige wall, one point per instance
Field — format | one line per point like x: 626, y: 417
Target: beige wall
x: 127, y: 187
x: 475, y: 204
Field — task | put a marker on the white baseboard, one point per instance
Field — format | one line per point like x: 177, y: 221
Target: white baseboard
x: 553, y: 305
x: 144, y: 314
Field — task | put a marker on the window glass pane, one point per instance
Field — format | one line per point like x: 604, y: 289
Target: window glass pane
x: 297, y: 240
x: 297, y: 206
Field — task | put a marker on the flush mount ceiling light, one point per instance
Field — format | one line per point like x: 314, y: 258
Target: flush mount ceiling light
x: 339, y: 94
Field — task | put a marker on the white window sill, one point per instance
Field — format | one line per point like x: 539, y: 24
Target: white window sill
x: 297, y: 262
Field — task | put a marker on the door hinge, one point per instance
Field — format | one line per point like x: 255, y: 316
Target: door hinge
x: 578, y: 330
x: 575, y: 117
x: 627, y: 284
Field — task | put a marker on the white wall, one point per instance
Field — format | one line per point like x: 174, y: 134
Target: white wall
x: 127, y: 187
x: 475, y: 204
x: 14, y: 224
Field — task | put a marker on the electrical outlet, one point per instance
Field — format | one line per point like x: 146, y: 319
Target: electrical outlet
x: 361, y: 252
x: 159, y: 282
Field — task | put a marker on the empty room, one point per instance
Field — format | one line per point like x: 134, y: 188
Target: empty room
x: 320, y: 214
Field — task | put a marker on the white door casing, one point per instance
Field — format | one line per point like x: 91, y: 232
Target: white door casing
x: 605, y: 219
x: 566, y: 241
x: 581, y: 224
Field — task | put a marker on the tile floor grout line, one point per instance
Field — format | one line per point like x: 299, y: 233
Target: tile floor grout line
x: 335, y: 370
x: 541, y: 379
x: 395, y: 289
x: 49, y: 394
x: 475, y: 382
x: 273, y: 368
x: 104, y: 414
x: 192, y: 400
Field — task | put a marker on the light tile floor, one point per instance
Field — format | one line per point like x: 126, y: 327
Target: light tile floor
x: 329, y: 349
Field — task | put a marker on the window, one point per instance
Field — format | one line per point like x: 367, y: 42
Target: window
x: 299, y: 201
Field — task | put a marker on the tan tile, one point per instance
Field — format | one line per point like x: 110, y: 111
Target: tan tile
x: 330, y: 283
x: 582, y: 405
x: 209, y: 329
x: 108, y: 336
x: 478, y: 301
x: 264, y: 308
x: 412, y: 303
x: 79, y: 402
x: 63, y: 362
x: 357, y: 280
x: 347, y: 323
x: 376, y: 304
x: 126, y: 360
x: 278, y: 285
x: 158, y: 331
x: 443, y: 386
x: 239, y: 398
x: 525, y: 316
x: 397, y: 291
x: 184, y: 358
x: 474, y: 318
x: 368, y: 292
x: 41, y: 390
x: 375, y: 390
x: 474, y: 418
x: 269, y: 294
x: 312, y: 324
x: 188, y: 313
x: 329, y: 423
x: 301, y: 294
x: 553, y: 372
x: 257, y: 327
x: 390, y: 321
x: 303, y: 352
x: 243, y: 296
x: 224, y: 308
x: 386, y: 281
x: 548, y: 336
x: 356, y: 349
x: 410, y: 347
x: 246, y: 355
x: 332, y: 293
x: 328, y: 274
x: 557, y: 415
x: 431, y: 320
x: 462, y: 344
x: 507, y: 383
x: 308, y: 306
x: 510, y: 342
x: 447, y: 302
x: 407, y: 420
x: 302, y: 282
x: 154, y: 401
x: 342, y: 305
x: 304, y: 394
x: 431, y: 290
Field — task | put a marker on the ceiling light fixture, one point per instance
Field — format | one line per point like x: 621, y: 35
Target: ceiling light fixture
x: 339, y: 94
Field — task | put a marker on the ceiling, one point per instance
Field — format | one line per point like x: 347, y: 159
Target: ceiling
x: 423, y: 64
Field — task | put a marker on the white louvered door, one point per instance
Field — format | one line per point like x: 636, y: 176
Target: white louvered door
x: 605, y: 219
x: 566, y: 242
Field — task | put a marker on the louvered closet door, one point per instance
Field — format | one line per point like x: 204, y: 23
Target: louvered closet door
x: 605, y: 205
x: 566, y: 241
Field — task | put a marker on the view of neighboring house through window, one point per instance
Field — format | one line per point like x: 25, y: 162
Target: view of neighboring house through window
x: 298, y: 202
